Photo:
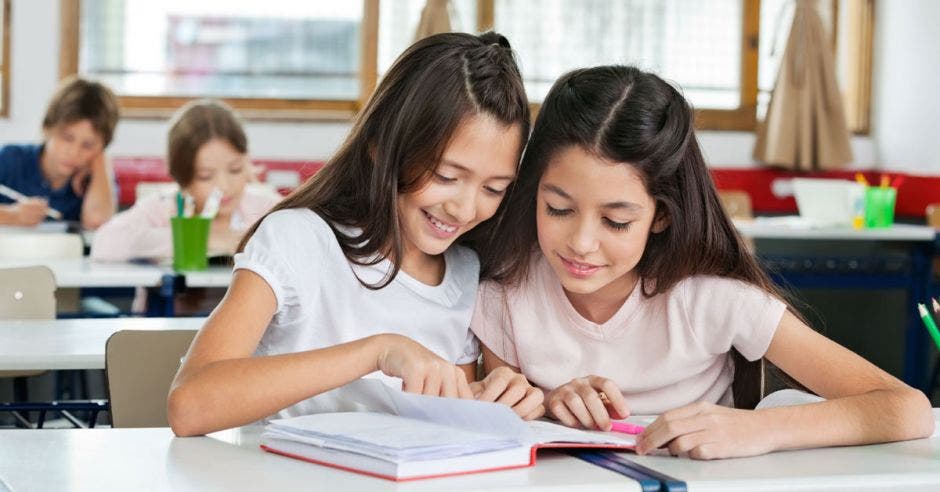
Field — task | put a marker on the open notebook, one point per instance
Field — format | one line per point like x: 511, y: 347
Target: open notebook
x: 425, y: 437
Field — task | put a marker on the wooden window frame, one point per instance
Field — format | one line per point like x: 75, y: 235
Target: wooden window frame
x: 250, y: 108
x: 742, y: 118
x: 5, y: 65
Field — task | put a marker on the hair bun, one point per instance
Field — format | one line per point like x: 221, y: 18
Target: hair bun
x: 491, y: 38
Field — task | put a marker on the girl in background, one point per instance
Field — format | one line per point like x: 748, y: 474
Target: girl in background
x: 620, y: 286
x: 363, y: 270
x: 206, y: 150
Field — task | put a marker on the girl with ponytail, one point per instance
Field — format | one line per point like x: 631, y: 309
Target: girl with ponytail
x: 619, y: 286
x: 369, y: 269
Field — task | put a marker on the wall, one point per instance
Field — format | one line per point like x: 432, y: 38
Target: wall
x: 905, y: 88
x: 34, y: 58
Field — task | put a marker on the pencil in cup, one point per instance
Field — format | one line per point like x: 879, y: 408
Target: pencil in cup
x: 19, y: 197
x: 930, y: 324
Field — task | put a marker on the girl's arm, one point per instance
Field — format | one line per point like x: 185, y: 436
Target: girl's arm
x: 865, y: 405
x: 98, y: 204
x: 505, y: 384
x: 220, y: 384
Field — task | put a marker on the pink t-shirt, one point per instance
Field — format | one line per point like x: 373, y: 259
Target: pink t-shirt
x: 663, y: 352
x: 143, y: 231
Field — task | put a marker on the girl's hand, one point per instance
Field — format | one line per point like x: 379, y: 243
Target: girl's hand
x: 587, y: 402
x: 420, y: 370
x: 503, y: 385
x: 706, y: 431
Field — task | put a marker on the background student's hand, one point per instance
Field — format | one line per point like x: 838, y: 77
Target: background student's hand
x: 503, y: 385
x: 579, y: 403
x: 707, y: 431
x: 223, y: 240
x: 80, y: 180
x: 30, y: 211
x: 420, y: 370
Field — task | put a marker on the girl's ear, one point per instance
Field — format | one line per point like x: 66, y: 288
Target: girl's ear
x: 660, y: 223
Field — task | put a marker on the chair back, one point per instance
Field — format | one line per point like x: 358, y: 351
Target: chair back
x: 933, y: 215
x: 140, y: 365
x: 40, y: 246
x: 26, y: 293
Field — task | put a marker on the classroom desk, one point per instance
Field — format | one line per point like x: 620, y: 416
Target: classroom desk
x: 214, y: 276
x: 851, y: 258
x: 162, y: 281
x: 908, y: 466
x: 152, y: 459
x: 82, y: 272
x: 71, y: 343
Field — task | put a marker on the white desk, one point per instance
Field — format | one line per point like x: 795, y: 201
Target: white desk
x: 214, y: 276
x: 71, y: 343
x: 908, y: 466
x: 82, y: 272
x: 153, y: 460
x: 777, y: 228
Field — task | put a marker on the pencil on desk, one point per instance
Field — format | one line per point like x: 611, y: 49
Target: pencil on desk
x: 17, y: 196
x: 929, y: 323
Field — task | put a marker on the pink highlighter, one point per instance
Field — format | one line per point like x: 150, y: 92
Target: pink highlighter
x: 626, y: 428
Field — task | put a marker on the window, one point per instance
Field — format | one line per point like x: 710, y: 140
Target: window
x: 4, y: 57
x: 279, y: 55
x: 322, y: 58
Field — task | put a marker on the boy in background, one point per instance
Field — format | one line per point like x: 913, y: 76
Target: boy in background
x: 67, y: 175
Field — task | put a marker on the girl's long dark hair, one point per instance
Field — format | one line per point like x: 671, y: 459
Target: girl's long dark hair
x: 400, y: 135
x: 623, y: 114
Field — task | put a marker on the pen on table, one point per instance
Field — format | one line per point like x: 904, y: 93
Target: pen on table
x: 15, y: 195
x: 929, y: 323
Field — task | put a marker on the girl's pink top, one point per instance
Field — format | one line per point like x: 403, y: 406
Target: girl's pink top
x: 143, y: 231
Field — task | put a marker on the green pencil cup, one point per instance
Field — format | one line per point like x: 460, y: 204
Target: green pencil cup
x: 190, y: 242
x: 879, y: 206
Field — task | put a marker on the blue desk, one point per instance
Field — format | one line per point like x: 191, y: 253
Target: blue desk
x: 894, y: 258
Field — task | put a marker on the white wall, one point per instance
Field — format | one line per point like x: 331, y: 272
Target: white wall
x: 906, y: 85
x: 34, y: 59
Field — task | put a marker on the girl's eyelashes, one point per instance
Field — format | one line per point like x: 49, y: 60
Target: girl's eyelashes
x: 557, y: 212
x: 444, y: 179
x: 560, y: 212
x: 494, y: 191
x: 617, y: 226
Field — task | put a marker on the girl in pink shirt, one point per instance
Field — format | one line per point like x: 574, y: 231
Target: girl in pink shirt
x: 621, y: 286
x: 207, y: 149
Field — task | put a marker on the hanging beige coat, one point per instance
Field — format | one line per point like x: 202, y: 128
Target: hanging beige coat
x: 435, y: 19
x: 805, y: 126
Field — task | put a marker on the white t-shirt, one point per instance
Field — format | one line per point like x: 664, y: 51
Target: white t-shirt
x: 663, y: 352
x: 320, y: 302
